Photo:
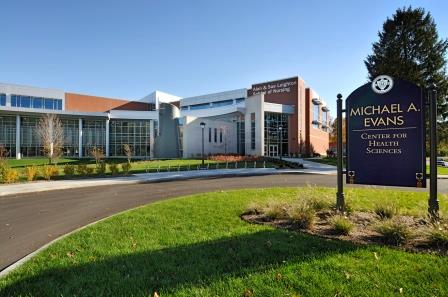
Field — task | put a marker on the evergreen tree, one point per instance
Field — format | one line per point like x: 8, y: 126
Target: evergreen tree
x: 409, y: 48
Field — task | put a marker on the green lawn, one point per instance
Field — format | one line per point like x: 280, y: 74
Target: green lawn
x: 137, y: 166
x: 198, y: 246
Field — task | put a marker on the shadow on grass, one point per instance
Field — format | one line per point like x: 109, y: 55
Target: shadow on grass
x: 165, y: 270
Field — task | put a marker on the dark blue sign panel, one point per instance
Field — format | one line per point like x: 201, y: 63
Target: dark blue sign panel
x: 385, y: 134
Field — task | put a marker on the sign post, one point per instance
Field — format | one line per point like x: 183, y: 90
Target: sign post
x: 385, y: 125
x: 340, y: 199
x: 433, y: 202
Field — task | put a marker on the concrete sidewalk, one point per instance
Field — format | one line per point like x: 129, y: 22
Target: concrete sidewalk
x: 41, y: 186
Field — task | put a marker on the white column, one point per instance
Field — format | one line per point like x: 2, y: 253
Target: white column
x: 107, y: 138
x: 151, y: 139
x: 80, y: 138
x: 18, y: 154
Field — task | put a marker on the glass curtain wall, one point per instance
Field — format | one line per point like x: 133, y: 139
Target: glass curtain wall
x: 241, y: 136
x: 8, y: 134
x: 93, y: 135
x: 272, y: 144
x: 71, y: 137
x: 30, y: 143
x: 136, y: 133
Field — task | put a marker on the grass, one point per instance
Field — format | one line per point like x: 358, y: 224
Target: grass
x: 137, y: 166
x: 198, y: 246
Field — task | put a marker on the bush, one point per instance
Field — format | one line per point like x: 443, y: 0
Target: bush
x: 81, y: 169
x: 89, y: 170
x: 318, y: 200
x: 276, y: 210
x: 386, y: 210
x: 303, y: 214
x: 10, y: 175
x: 3, y: 168
x: 439, y: 237
x: 69, y: 169
x: 254, y: 208
x: 341, y: 225
x: 31, y: 173
x: 126, y: 167
x: 101, y: 168
x: 394, y: 232
x: 49, y: 171
x: 114, y: 169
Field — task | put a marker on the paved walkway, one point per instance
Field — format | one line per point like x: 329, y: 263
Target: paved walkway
x: 41, y: 186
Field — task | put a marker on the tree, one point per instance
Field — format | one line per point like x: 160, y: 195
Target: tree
x: 409, y: 48
x: 98, y: 154
x: 128, y: 152
x: 51, y: 133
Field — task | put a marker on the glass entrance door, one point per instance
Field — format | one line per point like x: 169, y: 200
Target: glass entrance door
x: 273, y: 150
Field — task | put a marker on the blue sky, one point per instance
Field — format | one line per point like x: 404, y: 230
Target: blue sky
x: 126, y: 49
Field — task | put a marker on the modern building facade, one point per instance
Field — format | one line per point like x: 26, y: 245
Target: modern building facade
x: 268, y: 119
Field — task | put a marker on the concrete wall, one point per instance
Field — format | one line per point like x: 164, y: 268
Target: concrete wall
x: 255, y: 104
x: 192, y: 139
x: 166, y: 144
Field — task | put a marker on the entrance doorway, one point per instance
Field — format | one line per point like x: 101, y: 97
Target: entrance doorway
x: 273, y: 150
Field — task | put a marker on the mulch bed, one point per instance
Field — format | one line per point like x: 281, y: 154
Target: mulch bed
x: 363, y: 231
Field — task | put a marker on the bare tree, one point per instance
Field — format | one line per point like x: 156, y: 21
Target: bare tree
x: 51, y: 135
x: 98, y: 154
x: 128, y: 152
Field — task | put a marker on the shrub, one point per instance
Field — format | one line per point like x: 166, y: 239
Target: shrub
x: 49, y: 171
x: 126, y: 167
x: 386, y: 210
x: 3, y: 168
x: 81, y: 169
x: 10, y: 175
x: 89, y: 170
x: 439, y: 237
x: 69, y: 169
x: 303, y: 214
x: 114, y: 169
x: 254, y: 208
x: 276, y: 210
x: 341, y: 225
x: 394, y: 232
x: 31, y: 173
x: 318, y: 200
x: 101, y: 168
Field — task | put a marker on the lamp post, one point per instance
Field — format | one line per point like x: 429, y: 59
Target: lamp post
x: 280, y: 128
x: 202, y: 124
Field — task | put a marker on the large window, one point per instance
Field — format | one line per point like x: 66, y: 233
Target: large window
x: 209, y: 134
x: 222, y: 103
x: 93, y: 135
x: 8, y: 134
x: 252, y: 130
x: 216, y: 135
x: 275, y: 139
x: 199, y: 106
x: 2, y: 99
x: 36, y: 102
x: 240, y: 136
x: 316, y: 115
x: 136, y: 133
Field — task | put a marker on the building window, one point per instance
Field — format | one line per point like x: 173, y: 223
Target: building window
x: 316, y: 116
x: 220, y: 135
x: 135, y: 133
x: 222, y: 103
x: 199, y: 106
x: 252, y: 130
x: 216, y: 135
x: 239, y: 100
x: 274, y: 142
x: 184, y: 108
x: 2, y: 99
x: 209, y: 134
x: 8, y: 134
x: 36, y: 102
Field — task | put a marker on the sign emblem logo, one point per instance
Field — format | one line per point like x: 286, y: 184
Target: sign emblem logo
x: 382, y: 84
